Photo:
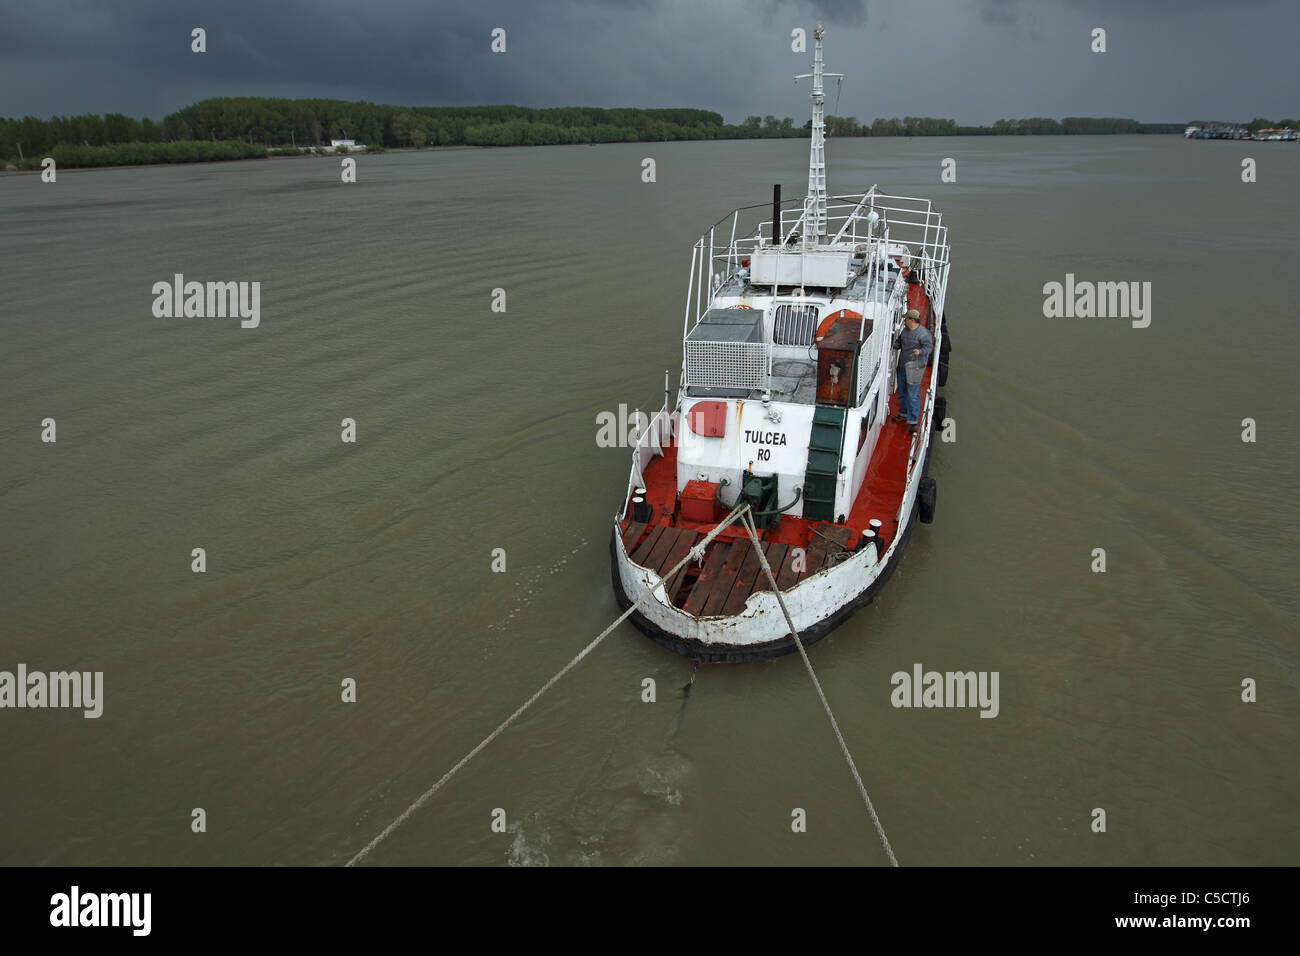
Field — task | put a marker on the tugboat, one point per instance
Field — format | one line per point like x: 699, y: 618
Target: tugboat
x: 787, y: 402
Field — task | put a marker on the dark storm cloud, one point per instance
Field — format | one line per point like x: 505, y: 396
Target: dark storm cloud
x: 1008, y: 11
x: 836, y: 11
x: 975, y: 62
x: 1000, y: 11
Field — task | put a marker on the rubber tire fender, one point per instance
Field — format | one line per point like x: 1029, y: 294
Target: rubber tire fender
x: 925, y: 499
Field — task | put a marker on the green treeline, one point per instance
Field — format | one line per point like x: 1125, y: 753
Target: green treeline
x: 1259, y: 123
x: 1036, y: 126
x: 279, y: 122
x: 262, y: 123
x: 134, y: 153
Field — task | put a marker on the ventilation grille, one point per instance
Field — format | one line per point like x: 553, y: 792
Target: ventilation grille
x: 795, y: 325
x: 726, y: 365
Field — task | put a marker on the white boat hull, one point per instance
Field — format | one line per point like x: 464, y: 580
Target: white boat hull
x: 816, y: 604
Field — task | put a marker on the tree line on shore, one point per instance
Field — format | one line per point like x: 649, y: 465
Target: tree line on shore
x: 1259, y: 123
x: 215, y: 128
x: 1254, y: 126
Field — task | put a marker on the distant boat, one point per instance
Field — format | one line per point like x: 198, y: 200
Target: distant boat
x: 785, y: 403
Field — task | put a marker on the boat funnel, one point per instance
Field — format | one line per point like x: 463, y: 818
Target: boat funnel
x: 776, y: 214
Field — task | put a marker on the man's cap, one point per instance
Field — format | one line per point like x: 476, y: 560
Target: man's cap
x: 913, y: 314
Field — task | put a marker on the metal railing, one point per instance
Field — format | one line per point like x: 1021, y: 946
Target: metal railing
x: 658, y: 434
x: 870, y: 357
x: 874, y: 220
x: 884, y: 226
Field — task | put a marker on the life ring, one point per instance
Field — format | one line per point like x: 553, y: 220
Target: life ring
x: 750, y: 307
x: 825, y: 325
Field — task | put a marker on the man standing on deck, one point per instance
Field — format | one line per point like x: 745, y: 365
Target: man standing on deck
x: 915, y: 343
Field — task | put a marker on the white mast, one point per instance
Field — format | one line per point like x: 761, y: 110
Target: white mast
x: 815, y: 203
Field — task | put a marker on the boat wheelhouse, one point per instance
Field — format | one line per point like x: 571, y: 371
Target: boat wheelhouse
x: 787, y: 401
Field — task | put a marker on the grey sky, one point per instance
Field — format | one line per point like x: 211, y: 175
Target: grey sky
x: 976, y: 61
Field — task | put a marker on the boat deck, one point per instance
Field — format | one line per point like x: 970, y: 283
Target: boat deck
x: 794, y: 381
x: 731, y: 572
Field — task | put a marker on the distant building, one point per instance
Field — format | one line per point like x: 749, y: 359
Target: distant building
x: 349, y: 144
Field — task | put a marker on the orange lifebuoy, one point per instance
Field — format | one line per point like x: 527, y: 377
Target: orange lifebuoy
x: 750, y: 307
x: 825, y: 325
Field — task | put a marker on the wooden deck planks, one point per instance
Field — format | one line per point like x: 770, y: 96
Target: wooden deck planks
x: 732, y: 572
x: 814, y: 558
x: 839, y: 534
x: 655, y: 559
x: 631, y: 535
x: 704, y: 585
x: 787, y: 577
x: 683, y: 541
x: 777, y: 555
x: 647, y: 544
x: 728, y: 578
x: 746, y: 579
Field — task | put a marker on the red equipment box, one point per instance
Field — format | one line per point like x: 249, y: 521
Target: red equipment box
x: 697, y: 501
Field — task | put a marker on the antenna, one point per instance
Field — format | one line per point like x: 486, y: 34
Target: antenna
x: 815, y: 203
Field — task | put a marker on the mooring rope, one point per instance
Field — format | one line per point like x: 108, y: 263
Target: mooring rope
x: 798, y: 642
x: 694, y: 554
x: 739, y: 512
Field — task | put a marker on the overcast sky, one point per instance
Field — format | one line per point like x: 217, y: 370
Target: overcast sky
x: 974, y: 61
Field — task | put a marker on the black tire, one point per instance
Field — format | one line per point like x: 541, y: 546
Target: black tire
x: 925, y: 499
x: 940, y: 411
x: 946, y: 347
x: 943, y: 372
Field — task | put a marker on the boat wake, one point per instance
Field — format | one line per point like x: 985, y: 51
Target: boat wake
x: 530, y: 585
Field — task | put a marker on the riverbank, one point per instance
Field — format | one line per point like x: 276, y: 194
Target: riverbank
x: 274, y: 153
x: 35, y: 169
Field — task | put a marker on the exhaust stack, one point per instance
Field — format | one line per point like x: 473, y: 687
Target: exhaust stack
x: 776, y: 214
